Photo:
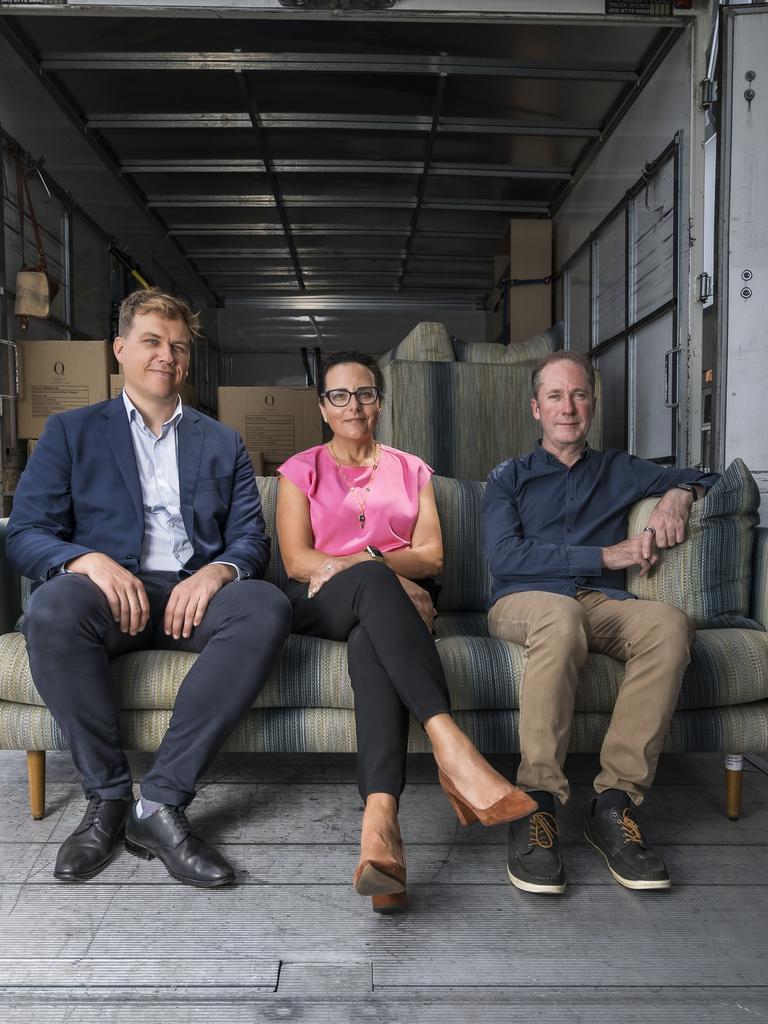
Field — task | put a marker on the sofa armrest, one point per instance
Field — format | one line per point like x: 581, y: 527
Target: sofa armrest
x: 10, y: 591
x: 760, y: 577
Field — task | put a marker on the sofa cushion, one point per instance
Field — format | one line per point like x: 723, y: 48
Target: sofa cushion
x: 427, y: 342
x: 709, y: 576
x: 728, y: 666
x: 760, y: 578
x: 530, y: 350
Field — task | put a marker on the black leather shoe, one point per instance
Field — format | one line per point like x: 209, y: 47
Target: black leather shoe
x: 167, y: 835
x: 533, y: 854
x: 92, y: 845
x: 615, y: 833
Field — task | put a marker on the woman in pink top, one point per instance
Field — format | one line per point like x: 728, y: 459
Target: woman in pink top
x: 360, y: 538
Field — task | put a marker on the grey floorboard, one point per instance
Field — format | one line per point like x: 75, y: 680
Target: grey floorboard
x: 333, y: 864
x: 295, y: 942
x: 330, y: 813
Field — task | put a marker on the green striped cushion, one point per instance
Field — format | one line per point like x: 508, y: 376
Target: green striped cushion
x: 760, y: 578
x: 530, y: 350
x: 744, y: 727
x: 428, y: 342
x: 728, y: 666
x: 709, y: 576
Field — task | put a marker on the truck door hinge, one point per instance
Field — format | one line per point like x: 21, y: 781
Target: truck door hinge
x: 704, y: 284
x: 708, y: 88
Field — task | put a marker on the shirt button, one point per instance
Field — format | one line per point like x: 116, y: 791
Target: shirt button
x: 569, y: 530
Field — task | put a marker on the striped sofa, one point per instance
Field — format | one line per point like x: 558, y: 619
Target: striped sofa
x: 463, y: 406
x: 307, y: 704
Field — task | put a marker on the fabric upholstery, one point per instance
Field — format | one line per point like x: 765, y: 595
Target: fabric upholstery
x: 307, y: 703
x: 760, y: 578
x: 536, y: 347
x: 428, y: 342
x: 463, y: 419
x: 709, y: 576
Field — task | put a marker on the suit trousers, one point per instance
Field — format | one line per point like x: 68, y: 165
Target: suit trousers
x: 72, y: 637
x: 393, y: 664
x: 652, y: 637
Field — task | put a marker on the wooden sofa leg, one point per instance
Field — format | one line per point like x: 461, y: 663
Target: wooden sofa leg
x: 734, y: 774
x: 36, y: 777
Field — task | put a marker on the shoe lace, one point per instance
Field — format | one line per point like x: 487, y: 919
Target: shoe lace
x: 93, y: 812
x: 542, y: 830
x: 180, y: 818
x: 630, y: 828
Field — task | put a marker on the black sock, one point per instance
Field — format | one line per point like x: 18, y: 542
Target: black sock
x: 611, y: 798
x: 545, y: 800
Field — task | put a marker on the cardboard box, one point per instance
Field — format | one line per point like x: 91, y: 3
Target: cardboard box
x: 58, y: 375
x: 188, y: 394
x: 525, y: 252
x: 275, y: 423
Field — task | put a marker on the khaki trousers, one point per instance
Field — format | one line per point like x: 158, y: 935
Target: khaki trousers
x: 652, y: 637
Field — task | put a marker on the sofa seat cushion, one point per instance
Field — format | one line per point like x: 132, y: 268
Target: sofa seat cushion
x: 727, y: 667
x: 709, y: 577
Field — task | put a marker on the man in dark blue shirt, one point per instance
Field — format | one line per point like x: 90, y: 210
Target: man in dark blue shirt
x: 555, y: 528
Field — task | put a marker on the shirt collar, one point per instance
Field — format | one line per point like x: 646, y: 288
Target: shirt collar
x: 134, y: 414
x: 541, y: 453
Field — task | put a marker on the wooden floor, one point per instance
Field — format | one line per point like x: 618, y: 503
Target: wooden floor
x: 294, y: 942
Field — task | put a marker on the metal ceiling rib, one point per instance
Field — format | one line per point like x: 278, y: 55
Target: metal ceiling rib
x: 336, y: 63
x: 405, y: 147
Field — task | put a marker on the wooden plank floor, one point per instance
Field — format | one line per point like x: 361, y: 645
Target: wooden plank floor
x: 294, y: 942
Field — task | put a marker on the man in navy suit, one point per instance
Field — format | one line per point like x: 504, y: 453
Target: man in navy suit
x: 142, y: 520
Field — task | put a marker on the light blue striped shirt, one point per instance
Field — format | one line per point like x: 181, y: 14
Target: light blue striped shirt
x: 166, y: 546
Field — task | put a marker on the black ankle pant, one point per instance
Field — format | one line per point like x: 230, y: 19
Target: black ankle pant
x: 393, y: 663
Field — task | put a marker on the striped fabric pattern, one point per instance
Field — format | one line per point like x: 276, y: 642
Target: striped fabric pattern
x: 728, y: 666
x: 533, y: 348
x: 709, y: 576
x: 427, y: 341
x: 760, y: 578
x: 463, y: 419
x: 307, y: 730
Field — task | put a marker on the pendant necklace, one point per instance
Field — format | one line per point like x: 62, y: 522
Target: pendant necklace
x: 353, y: 488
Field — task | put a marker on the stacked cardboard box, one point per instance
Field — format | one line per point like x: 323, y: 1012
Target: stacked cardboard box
x: 274, y: 423
x: 58, y: 375
x: 525, y: 253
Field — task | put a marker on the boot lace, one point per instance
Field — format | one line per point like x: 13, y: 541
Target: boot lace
x: 630, y: 828
x: 542, y: 830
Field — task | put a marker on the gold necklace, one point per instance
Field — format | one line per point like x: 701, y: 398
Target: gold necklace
x: 352, y: 488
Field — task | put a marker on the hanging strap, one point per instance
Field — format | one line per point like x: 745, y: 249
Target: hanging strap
x: 22, y: 190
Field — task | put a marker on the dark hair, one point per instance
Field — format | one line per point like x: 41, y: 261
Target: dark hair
x: 562, y: 355
x: 362, y: 358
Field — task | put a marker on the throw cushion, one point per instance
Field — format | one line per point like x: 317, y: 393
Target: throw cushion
x: 708, y: 577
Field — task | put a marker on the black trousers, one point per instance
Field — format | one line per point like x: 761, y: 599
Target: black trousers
x: 71, y: 638
x: 393, y: 664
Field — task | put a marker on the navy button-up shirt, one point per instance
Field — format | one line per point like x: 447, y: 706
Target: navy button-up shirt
x: 546, y: 524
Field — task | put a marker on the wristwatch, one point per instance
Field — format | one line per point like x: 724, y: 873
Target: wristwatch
x: 375, y: 554
x: 688, y: 487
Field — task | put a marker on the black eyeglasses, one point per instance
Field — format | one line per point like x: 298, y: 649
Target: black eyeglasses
x: 341, y: 397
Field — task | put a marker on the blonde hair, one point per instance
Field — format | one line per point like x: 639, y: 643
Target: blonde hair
x: 152, y: 300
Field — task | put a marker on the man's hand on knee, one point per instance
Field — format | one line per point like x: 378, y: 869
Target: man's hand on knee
x: 124, y: 592
x: 190, y: 598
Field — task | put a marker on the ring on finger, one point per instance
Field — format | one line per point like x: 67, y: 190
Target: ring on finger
x: 649, y: 529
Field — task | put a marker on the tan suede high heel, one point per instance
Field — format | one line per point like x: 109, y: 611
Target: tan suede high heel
x: 384, y: 882
x: 516, y: 804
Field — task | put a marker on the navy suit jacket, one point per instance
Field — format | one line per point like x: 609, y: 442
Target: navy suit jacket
x: 81, y: 493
